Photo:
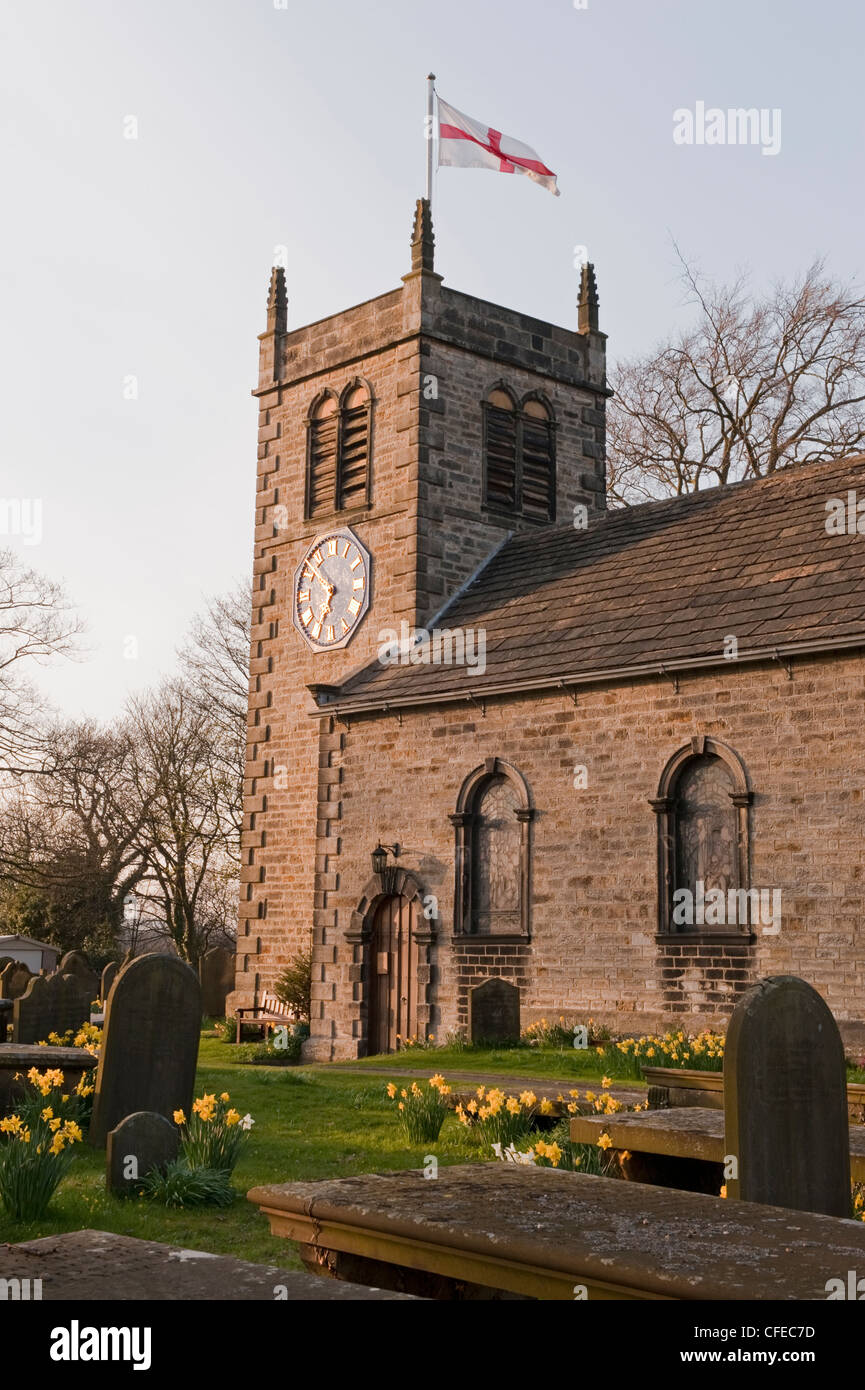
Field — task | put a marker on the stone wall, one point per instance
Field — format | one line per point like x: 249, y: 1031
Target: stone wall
x: 594, y: 948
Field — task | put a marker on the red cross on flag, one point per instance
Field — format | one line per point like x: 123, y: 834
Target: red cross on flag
x: 470, y: 145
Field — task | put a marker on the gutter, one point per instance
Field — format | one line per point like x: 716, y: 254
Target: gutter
x: 782, y: 654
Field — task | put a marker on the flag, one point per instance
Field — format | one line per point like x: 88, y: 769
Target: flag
x: 470, y: 145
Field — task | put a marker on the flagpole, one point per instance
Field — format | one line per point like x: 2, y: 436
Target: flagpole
x: 430, y: 112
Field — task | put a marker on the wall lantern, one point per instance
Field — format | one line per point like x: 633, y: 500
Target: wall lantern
x: 379, y: 857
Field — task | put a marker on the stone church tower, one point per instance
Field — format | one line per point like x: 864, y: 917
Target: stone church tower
x: 386, y: 478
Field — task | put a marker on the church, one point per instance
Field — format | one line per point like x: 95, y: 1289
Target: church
x: 611, y: 758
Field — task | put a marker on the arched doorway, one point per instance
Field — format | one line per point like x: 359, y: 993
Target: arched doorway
x: 393, y: 965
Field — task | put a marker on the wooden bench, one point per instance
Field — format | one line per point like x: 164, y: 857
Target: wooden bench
x: 682, y: 1148
x: 270, y: 1013
x: 493, y: 1230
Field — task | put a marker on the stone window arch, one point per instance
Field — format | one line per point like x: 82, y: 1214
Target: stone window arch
x: 703, y: 840
x: 492, y: 826
x: 339, y: 450
x: 519, y: 454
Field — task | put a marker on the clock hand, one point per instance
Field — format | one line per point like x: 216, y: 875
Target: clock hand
x: 319, y: 576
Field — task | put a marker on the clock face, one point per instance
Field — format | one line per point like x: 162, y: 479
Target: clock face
x: 331, y: 590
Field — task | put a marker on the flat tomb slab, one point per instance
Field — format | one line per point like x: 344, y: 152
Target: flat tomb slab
x: 23, y: 1056
x: 687, y: 1132
x: 538, y: 1232
x: 20, y: 1057
x: 97, y: 1265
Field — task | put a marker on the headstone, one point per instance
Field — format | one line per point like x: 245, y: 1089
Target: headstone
x: 5, y: 1004
x: 216, y: 972
x: 14, y: 979
x: 109, y: 975
x: 50, y: 1004
x: 785, y: 1100
x: 494, y: 1011
x: 150, y: 1043
x: 141, y: 1142
x: 73, y: 963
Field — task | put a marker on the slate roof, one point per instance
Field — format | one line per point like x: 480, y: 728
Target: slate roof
x: 657, y: 585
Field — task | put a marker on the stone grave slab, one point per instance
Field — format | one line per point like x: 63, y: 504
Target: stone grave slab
x: 141, y: 1142
x: 494, y: 1011
x: 150, y: 1043
x: 107, y: 978
x: 216, y: 972
x: 537, y: 1232
x: 14, y: 979
x: 14, y: 1057
x: 785, y: 1099
x: 51, y: 1004
x: 73, y: 963
x: 99, y: 1265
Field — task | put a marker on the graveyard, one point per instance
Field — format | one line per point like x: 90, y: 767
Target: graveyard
x: 628, y: 1187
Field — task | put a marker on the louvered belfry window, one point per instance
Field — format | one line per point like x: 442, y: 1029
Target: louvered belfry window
x: 519, y: 457
x: 501, y: 452
x: 321, y: 472
x: 338, y: 453
x: 353, y: 450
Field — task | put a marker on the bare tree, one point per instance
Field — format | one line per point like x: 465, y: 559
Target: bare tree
x: 70, y: 833
x: 757, y: 384
x: 215, y: 666
x: 188, y: 787
x: 36, y: 623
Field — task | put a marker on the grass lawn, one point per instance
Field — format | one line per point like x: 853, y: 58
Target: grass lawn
x: 572, y: 1064
x: 315, y: 1124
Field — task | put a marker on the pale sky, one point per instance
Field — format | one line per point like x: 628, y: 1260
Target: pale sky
x: 260, y: 126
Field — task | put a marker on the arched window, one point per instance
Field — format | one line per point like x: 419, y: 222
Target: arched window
x: 703, y: 852
x: 353, y: 483
x: 519, y: 456
x: 321, y: 456
x: 338, y: 451
x: 496, y: 858
x: 500, y: 451
x: 539, y: 462
x: 492, y: 824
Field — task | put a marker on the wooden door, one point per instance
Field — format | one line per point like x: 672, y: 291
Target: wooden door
x: 393, y: 975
